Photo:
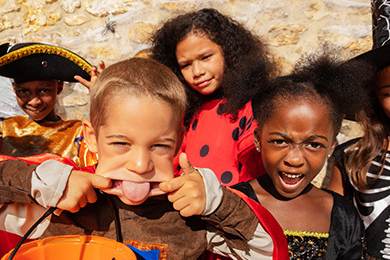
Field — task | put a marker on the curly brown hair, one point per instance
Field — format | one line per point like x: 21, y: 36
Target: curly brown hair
x: 247, y: 67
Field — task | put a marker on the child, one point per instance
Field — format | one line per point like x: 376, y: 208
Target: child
x: 136, y: 113
x: 38, y: 72
x: 223, y: 65
x: 364, y: 162
x: 299, y: 117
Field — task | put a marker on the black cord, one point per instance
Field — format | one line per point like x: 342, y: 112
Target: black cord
x: 118, y: 228
x: 30, y: 230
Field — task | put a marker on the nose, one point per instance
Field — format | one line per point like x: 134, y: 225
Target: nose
x: 294, y: 157
x: 35, y: 101
x: 140, y: 162
x: 197, y: 69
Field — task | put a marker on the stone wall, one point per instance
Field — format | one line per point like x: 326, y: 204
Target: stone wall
x: 111, y: 30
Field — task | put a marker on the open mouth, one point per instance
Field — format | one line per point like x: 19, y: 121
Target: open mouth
x: 291, y: 179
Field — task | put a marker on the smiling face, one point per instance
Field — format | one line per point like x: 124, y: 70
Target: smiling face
x: 295, y: 142
x: 201, y: 62
x: 38, y: 98
x: 136, y: 144
x: 383, y: 90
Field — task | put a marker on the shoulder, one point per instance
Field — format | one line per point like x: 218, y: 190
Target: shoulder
x: 247, y: 189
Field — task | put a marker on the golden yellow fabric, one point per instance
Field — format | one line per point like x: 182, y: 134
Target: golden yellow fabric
x: 22, y: 136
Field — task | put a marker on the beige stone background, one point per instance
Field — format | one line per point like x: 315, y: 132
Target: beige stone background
x: 112, y: 30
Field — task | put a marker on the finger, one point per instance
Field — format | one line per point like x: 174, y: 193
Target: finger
x: 172, y: 185
x: 176, y: 195
x: 91, y: 196
x: 57, y: 212
x: 181, y: 204
x: 188, y: 212
x: 82, y: 81
x: 185, y: 164
x: 82, y: 202
x: 101, y: 67
x: 100, y: 182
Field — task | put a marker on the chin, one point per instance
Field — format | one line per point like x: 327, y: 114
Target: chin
x: 132, y: 203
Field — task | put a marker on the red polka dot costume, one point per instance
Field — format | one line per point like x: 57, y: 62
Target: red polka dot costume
x: 214, y: 140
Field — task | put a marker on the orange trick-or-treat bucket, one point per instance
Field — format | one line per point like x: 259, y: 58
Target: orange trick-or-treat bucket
x: 72, y: 247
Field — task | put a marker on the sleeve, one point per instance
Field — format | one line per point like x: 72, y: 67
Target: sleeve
x: 234, y: 230
x: 15, y: 181
x: 346, y: 239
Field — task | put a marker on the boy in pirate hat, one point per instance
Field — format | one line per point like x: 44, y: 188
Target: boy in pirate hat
x: 38, y: 71
x: 362, y: 166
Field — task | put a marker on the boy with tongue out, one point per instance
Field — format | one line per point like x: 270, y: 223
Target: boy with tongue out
x: 135, y: 126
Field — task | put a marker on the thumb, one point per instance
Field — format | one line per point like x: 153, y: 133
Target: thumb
x: 100, y: 182
x: 185, y: 164
x: 172, y: 185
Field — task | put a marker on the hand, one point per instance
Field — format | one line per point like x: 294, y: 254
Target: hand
x: 80, y: 190
x: 186, y: 192
x: 96, y: 71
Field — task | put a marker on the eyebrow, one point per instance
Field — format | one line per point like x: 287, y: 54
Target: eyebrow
x: 307, y: 139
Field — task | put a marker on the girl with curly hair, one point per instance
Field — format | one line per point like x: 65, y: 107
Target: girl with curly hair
x: 223, y: 66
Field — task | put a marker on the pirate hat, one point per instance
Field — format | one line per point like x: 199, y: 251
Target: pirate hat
x: 37, y: 61
x: 379, y: 56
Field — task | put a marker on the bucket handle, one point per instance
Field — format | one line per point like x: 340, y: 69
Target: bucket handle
x: 118, y: 228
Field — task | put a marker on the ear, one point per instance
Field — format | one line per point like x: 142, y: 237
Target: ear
x: 257, y: 134
x: 60, y: 86
x: 90, y: 136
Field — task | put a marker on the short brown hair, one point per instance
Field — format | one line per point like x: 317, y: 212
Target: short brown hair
x: 137, y: 76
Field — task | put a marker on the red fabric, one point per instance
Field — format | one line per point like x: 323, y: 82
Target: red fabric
x: 9, y: 240
x: 214, y: 140
x: 270, y: 225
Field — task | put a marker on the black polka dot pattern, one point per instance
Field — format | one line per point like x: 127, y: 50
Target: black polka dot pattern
x: 204, y: 151
x: 226, y: 177
x: 194, y: 124
x: 236, y: 134
x: 221, y: 109
x: 242, y: 122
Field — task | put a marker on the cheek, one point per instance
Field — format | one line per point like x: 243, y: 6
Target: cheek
x: 187, y: 75
x: 271, y: 158
x: 163, y: 165
x: 386, y: 105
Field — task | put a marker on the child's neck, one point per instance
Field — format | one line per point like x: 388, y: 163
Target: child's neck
x: 51, y: 117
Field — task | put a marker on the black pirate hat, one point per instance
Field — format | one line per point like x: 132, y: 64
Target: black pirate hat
x: 37, y: 61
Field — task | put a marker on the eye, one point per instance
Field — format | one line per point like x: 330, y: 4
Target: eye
x: 279, y: 142
x: 184, y: 65
x: 162, y: 148
x: 45, y: 91
x: 22, y: 92
x: 119, y: 144
x: 314, y: 145
x: 206, y: 57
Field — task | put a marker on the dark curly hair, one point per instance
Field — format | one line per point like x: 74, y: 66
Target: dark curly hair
x: 338, y: 85
x: 247, y: 67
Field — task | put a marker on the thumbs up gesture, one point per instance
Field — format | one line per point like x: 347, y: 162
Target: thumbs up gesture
x: 186, y: 192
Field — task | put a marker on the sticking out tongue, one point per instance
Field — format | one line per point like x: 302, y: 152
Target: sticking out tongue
x: 135, y: 191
